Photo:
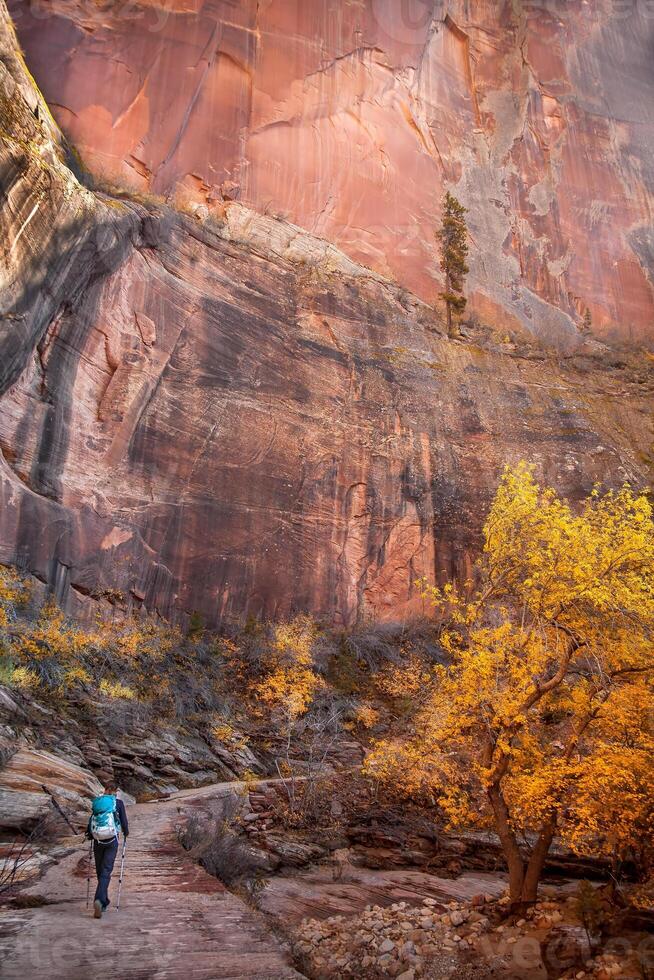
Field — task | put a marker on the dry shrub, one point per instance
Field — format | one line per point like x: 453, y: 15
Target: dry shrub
x: 213, y: 841
x: 311, y: 804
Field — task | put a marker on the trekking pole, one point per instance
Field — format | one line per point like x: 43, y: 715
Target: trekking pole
x: 88, y: 876
x: 58, y: 809
x: 122, y: 865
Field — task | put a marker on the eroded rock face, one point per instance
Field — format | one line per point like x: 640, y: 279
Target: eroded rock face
x: 349, y: 119
x: 71, y: 756
x: 290, y: 440
x: 231, y: 415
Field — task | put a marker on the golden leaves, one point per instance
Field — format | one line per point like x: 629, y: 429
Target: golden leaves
x: 114, y: 689
x: 547, y: 695
x: 70, y: 655
x: 290, y: 682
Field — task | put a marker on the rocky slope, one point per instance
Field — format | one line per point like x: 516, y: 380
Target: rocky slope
x: 466, y: 940
x: 71, y: 753
x: 222, y: 412
x: 349, y: 118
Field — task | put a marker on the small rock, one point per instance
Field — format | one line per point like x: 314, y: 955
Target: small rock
x: 387, y: 946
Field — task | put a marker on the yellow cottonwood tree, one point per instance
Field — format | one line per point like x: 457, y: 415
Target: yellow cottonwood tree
x: 541, y: 725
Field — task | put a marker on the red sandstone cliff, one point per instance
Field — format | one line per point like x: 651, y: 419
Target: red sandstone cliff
x: 348, y: 118
x: 227, y: 413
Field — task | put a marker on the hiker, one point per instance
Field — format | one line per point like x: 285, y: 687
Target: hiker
x: 107, y: 819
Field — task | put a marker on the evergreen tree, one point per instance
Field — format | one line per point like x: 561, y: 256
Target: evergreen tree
x: 588, y: 321
x: 453, y: 237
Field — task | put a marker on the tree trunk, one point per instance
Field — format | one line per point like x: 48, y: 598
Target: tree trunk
x: 537, y: 862
x: 514, y: 859
x: 448, y: 305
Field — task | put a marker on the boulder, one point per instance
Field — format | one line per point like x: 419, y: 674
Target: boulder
x: 294, y: 854
x: 566, y: 947
x: 24, y: 802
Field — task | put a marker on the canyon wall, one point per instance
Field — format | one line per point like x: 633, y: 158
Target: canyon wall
x: 349, y: 119
x: 224, y: 412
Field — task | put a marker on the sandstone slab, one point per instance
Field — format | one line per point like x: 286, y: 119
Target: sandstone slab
x: 23, y: 800
x: 174, y: 919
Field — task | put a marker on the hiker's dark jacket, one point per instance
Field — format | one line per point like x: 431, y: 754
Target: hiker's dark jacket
x: 122, y: 817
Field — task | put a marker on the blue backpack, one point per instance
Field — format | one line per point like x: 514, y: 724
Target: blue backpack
x: 105, y: 825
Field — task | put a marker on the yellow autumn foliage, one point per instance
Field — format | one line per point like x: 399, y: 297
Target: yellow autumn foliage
x: 114, y: 689
x: 62, y: 655
x: 77, y: 675
x: 290, y: 682
x: 14, y: 592
x: 541, y: 722
x: 403, y: 680
x: 366, y: 716
x: 25, y: 679
x: 226, y: 733
x: 51, y: 636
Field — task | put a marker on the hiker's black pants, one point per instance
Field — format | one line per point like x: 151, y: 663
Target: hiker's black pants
x: 105, y: 855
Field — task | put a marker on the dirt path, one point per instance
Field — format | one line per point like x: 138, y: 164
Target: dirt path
x: 175, y: 921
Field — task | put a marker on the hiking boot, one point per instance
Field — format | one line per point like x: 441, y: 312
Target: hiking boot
x: 97, y: 909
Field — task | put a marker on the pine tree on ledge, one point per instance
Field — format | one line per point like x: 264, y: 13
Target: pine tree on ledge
x: 453, y: 236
